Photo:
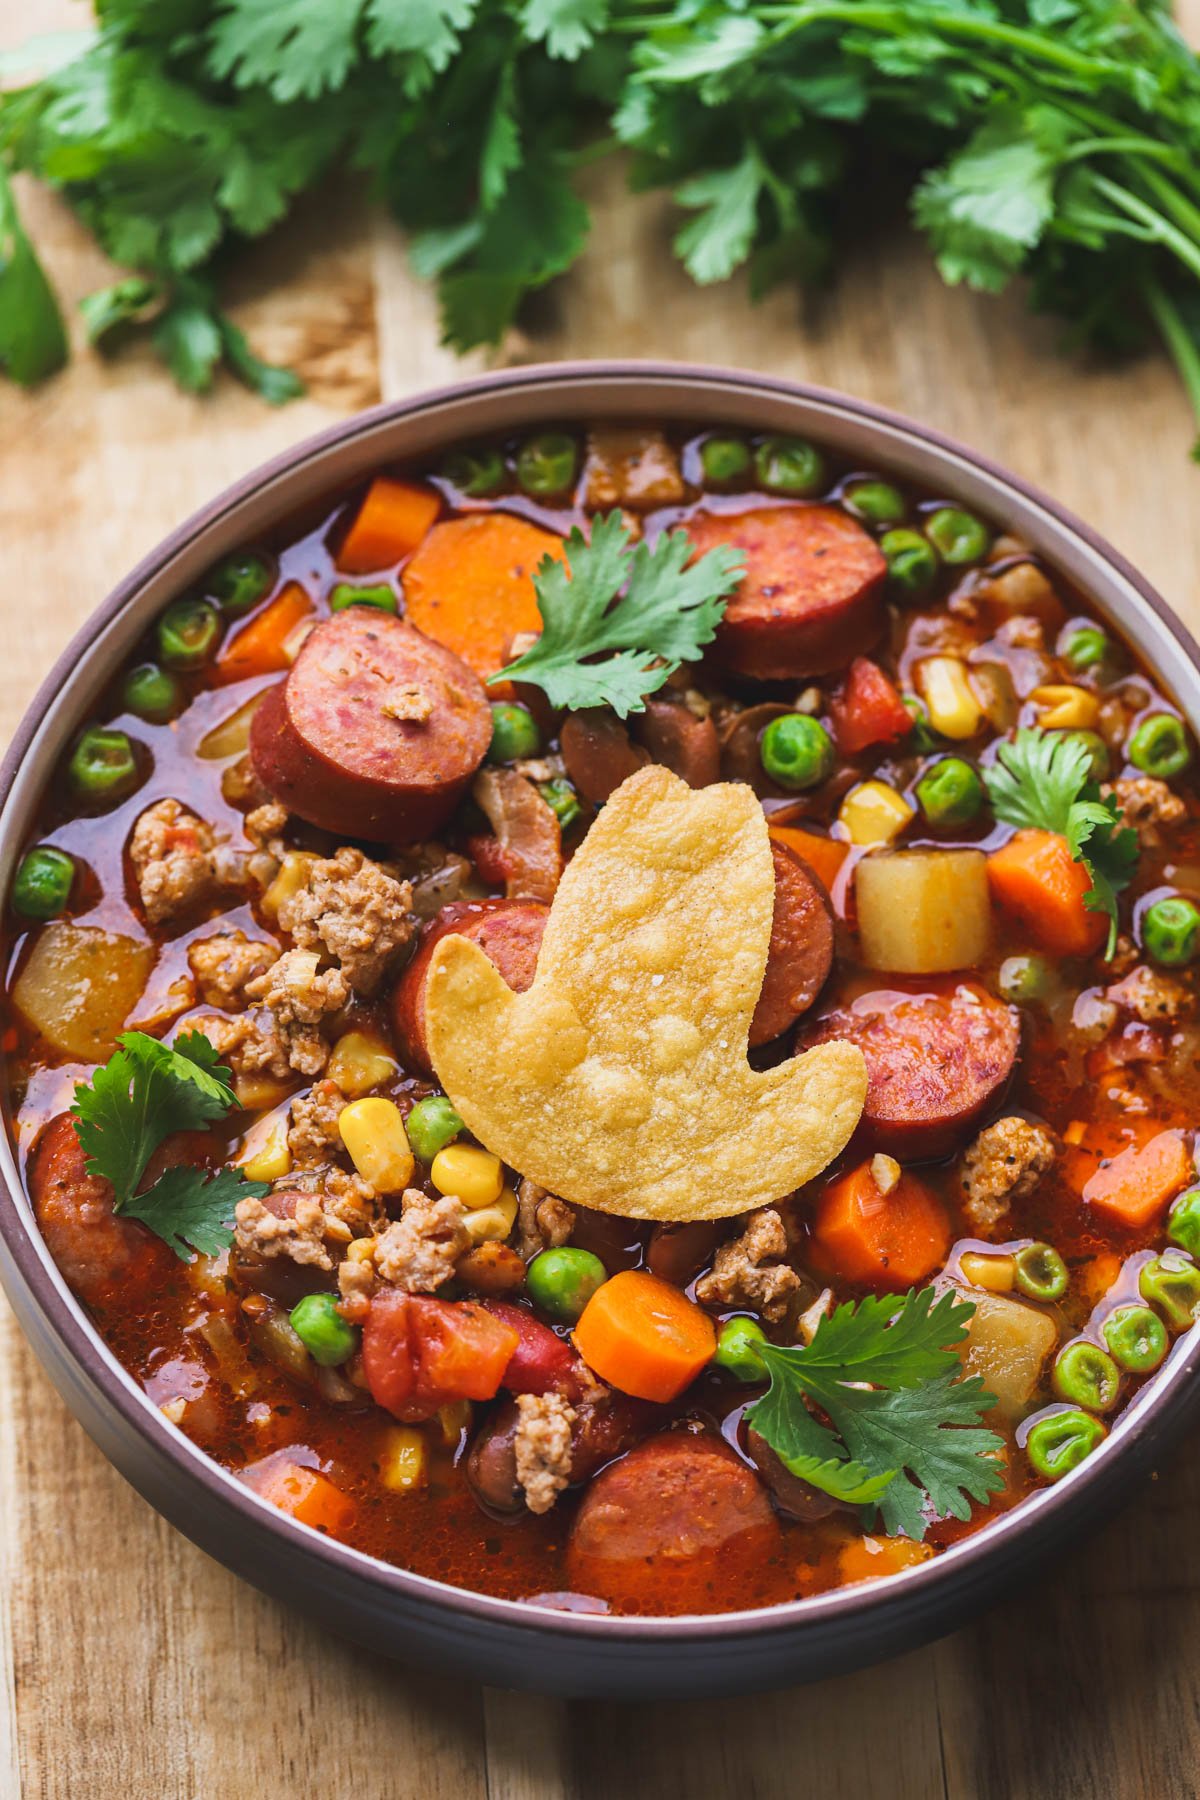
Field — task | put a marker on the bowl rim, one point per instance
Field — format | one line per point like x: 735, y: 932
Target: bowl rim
x: 1040, y: 1517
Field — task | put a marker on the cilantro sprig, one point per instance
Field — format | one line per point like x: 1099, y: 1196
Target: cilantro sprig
x: 144, y: 1092
x: 903, y: 1437
x: 643, y: 610
x: 1042, y: 781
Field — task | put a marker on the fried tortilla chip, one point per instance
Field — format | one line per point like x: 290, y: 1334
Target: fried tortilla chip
x: 620, y: 1080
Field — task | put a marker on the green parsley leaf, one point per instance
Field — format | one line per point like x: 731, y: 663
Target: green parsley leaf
x: 144, y: 1092
x: 1041, y: 781
x: 566, y: 27
x: 721, y: 236
x: 294, y: 48
x: 125, y: 302
x: 192, y: 1210
x: 850, y: 1482
x: 188, y: 339
x: 986, y: 208
x: 665, y: 615
x: 33, y: 342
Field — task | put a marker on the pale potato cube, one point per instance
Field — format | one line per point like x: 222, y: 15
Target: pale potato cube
x: 80, y: 985
x: 923, y: 912
x: 1008, y: 1343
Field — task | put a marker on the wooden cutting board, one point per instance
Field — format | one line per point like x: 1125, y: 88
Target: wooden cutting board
x: 131, y: 1666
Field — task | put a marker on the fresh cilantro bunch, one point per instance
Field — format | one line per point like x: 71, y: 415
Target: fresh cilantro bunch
x: 1053, y: 139
x: 903, y: 1436
x: 642, y: 609
x: 1042, y: 781
x: 144, y: 1092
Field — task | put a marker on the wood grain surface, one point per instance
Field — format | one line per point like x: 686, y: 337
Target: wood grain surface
x: 130, y: 1665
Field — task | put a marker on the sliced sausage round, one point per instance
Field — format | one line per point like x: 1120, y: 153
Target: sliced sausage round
x: 936, y: 1061
x: 507, y: 931
x: 676, y: 1519
x: 599, y: 753
x: 793, y: 1497
x: 812, y: 593
x: 801, y: 951
x: 100, y: 1256
x: 674, y: 736
x: 677, y: 1253
x: 376, y: 731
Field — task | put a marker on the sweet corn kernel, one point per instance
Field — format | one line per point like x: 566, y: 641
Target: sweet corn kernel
x: 949, y: 698
x: 874, y: 813
x: 492, y: 1224
x: 1063, y: 707
x: 265, y: 1154
x: 373, y: 1132
x: 402, y: 1465
x: 360, y: 1061
x: 293, y: 875
x: 997, y: 1274
x: 885, y: 1173
x: 453, y: 1419
x: 475, y: 1176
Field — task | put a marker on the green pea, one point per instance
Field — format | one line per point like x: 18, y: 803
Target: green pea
x: 514, y: 733
x: 951, y: 793
x: 241, y: 581
x: 103, y: 765
x: 346, y: 594
x: 1061, y: 1441
x: 42, y: 884
x: 1159, y: 746
x: 875, y: 502
x: 562, y: 1281
x: 922, y: 737
x: 1084, y: 648
x: 546, y: 464
x: 1087, y: 1376
x: 188, y: 633
x: 958, y: 536
x: 724, y: 460
x: 322, y: 1330
x: 796, y: 751
x: 912, y: 561
x: 431, y: 1125
x: 737, y: 1349
x: 1041, y: 1272
x: 787, y: 465
x: 1183, y: 1222
x: 476, y: 473
x: 563, y: 802
x: 153, y: 694
x: 1137, y: 1338
x: 1172, y: 1283
x: 1097, y: 749
x: 1171, y: 931
x: 1022, y: 979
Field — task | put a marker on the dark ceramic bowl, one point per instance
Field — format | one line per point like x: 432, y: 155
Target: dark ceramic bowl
x: 387, y: 1608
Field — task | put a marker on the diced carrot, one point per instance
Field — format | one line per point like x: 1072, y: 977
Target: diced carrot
x: 867, y: 1558
x: 868, y: 710
x: 268, y: 643
x: 824, y: 855
x: 1137, y: 1186
x: 1086, y: 1147
x: 470, y: 585
x: 391, y: 522
x: 304, y: 1493
x: 892, y: 1239
x: 1035, y: 876
x: 640, y: 1334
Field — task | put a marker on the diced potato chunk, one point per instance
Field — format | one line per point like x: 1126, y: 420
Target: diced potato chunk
x: 923, y: 912
x: 1007, y: 1343
x: 80, y: 985
x: 232, y: 736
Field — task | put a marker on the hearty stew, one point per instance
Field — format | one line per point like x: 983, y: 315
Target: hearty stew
x: 811, y: 906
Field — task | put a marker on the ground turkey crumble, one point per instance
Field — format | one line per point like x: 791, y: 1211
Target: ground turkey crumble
x: 1146, y: 803
x: 1005, y: 1163
x: 543, y: 1448
x: 173, y: 853
x: 1152, y: 997
x: 313, y: 1130
x: 250, y: 1044
x: 300, y: 995
x: 224, y: 964
x: 544, y: 1222
x: 260, y: 1232
x: 418, y: 1250
x: 353, y: 911
x: 749, y: 1271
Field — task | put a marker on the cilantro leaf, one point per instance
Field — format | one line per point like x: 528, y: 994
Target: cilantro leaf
x: 293, y: 47
x: 143, y: 1093
x: 567, y: 27
x: 125, y: 302
x: 665, y: 615
x: 33, y: 341
x: 714, y: 243
x: 1042, y: 781
x: 192, y: 1210
x: 986, y: 208
x: 851, y: 1482
x: 272, y: 381
x: 929, y: 1437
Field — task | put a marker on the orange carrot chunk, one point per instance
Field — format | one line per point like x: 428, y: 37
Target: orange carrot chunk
x: 270, y: 641
x: 824, y: 855
x: 1137, y: 1186
x: 390, y: 523
x: 304, y: 1493
x: 867, y: 1558
x: 640, y: 1334
x: 887, y: 1239
x: 1035, y: 877
x: 470, y: 585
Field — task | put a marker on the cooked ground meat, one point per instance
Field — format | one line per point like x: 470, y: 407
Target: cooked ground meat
x: 1022, y: 632
x: 223, y: 965
x: 1151, y: 996
x: 543, y: 1448
x: 300, y: 995
x: 354, y: 911
x: 313, y: 1130
x: 419, y: 1250
x: 260, y: 1232
x: 172, y: 852
x: 750, y: 1271
x: 352, y: 1202
x: 1005, y: 1163
x: 250, y: 1044
x: 544, y: 1222
x: 1146, y: 803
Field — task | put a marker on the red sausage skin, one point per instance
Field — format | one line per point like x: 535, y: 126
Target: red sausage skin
x: 801, y: 952
x: 101, y: 1257
x: 812, y: 594
x: 376, y: 731
x: 507, y: 931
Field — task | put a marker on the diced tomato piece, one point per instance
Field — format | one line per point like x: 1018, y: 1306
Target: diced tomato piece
x: 541, y: 1361
x: 418, y: 1353
x: 491, y: 861
x: 868, y: 710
